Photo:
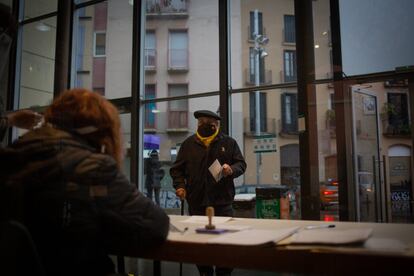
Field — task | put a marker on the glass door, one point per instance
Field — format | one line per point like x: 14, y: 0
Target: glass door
x: 367, y: 167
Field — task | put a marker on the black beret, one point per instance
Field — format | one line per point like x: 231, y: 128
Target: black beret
x: 206, y: 113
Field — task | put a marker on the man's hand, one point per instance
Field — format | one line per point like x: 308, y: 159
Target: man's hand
x: 227, y: 170
x: 25, y: 119
x: 181, y: 193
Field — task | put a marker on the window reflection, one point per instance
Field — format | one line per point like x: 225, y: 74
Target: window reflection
x: 102, y: 43
x: 37, y: 63
x: 175, y: 122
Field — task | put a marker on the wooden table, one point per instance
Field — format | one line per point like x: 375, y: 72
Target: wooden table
x: 192, y: 248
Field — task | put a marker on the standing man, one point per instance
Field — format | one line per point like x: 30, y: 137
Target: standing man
x: 154, y: 175
x: 193, y: 180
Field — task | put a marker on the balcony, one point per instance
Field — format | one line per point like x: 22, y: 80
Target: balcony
x: 287, y: 131
x: 167, y: 9
x: 395, y: 130
x: 287, y: 77
x: 396, y: 83
x: 150, y: 60
x: 288, y: 37
x: 269, y: 127
x: 250, y: 37
x: 250, y: 78
x: 178, y: 60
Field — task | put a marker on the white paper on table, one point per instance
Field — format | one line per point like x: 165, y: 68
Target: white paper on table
x: 216, y: 170
x: 254, y: 236
x: 204, y: 220
x: 386, y: 244
x: 331, y: 236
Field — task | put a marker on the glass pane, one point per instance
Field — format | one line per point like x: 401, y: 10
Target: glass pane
x: 262, y: 33
x: 175, y: 45
x: 37, y: 63
x: 5, y: 46
x: 164, y: 141
x: 272, y: 154
x: 322, y: 39
x: 150, y: 52
x: 366, y: 154
x: 102, y: 43
x: 126, y: 132
x: 367, y: 29
x: 382, y: 108
x: 178, y: 49
x: 33, y: 8
x: 328, y: 177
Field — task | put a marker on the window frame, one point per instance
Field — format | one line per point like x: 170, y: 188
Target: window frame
x: 186, y: 124
x: 169, y: 55
x: 147, y: 66
x: 95, y: 33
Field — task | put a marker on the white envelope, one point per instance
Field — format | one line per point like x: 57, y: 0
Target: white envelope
x: 216, y: 170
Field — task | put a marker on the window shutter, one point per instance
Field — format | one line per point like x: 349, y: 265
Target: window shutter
x: 263, y: 112
x: 283, y: 108
x: 260, y: 23
x: 294, y: 113
x: 252, y: 104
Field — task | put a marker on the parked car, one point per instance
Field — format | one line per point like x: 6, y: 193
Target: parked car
x: 329, y: 193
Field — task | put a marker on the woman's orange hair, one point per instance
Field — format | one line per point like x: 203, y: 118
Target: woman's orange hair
x: 79, y: 108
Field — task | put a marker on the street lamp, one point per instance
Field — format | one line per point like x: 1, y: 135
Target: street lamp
x: 259, y: 41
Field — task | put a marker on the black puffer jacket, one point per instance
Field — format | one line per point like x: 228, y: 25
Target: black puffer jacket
x: 76, y: 203
x: 190, y: 170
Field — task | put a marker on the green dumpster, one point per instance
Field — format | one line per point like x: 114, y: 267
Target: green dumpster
x: 268, y: 202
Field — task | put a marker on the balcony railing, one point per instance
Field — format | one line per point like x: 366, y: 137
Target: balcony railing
x: 265, y: 79
x: 150, y: 59
x: 268, y: 127
x: 396, y: 83
x: 250, y: 34
x: 288, y: 36
x: 286, y: 130
x: 396, y: 129
x: 178, y: 59
x: 287, y: 78
x: 167, y: 8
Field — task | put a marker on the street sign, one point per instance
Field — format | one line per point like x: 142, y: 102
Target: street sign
x: 266, y: 143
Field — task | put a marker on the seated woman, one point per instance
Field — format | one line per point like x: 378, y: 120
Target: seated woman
x: 76, y: 202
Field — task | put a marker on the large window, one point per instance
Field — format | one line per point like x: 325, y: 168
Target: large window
x: 181, y: 42
x: 102, y: 48
x: 178, y: 50
x: 37, y: 63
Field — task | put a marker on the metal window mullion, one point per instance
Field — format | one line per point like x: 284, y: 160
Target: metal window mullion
x: 224, y: 97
